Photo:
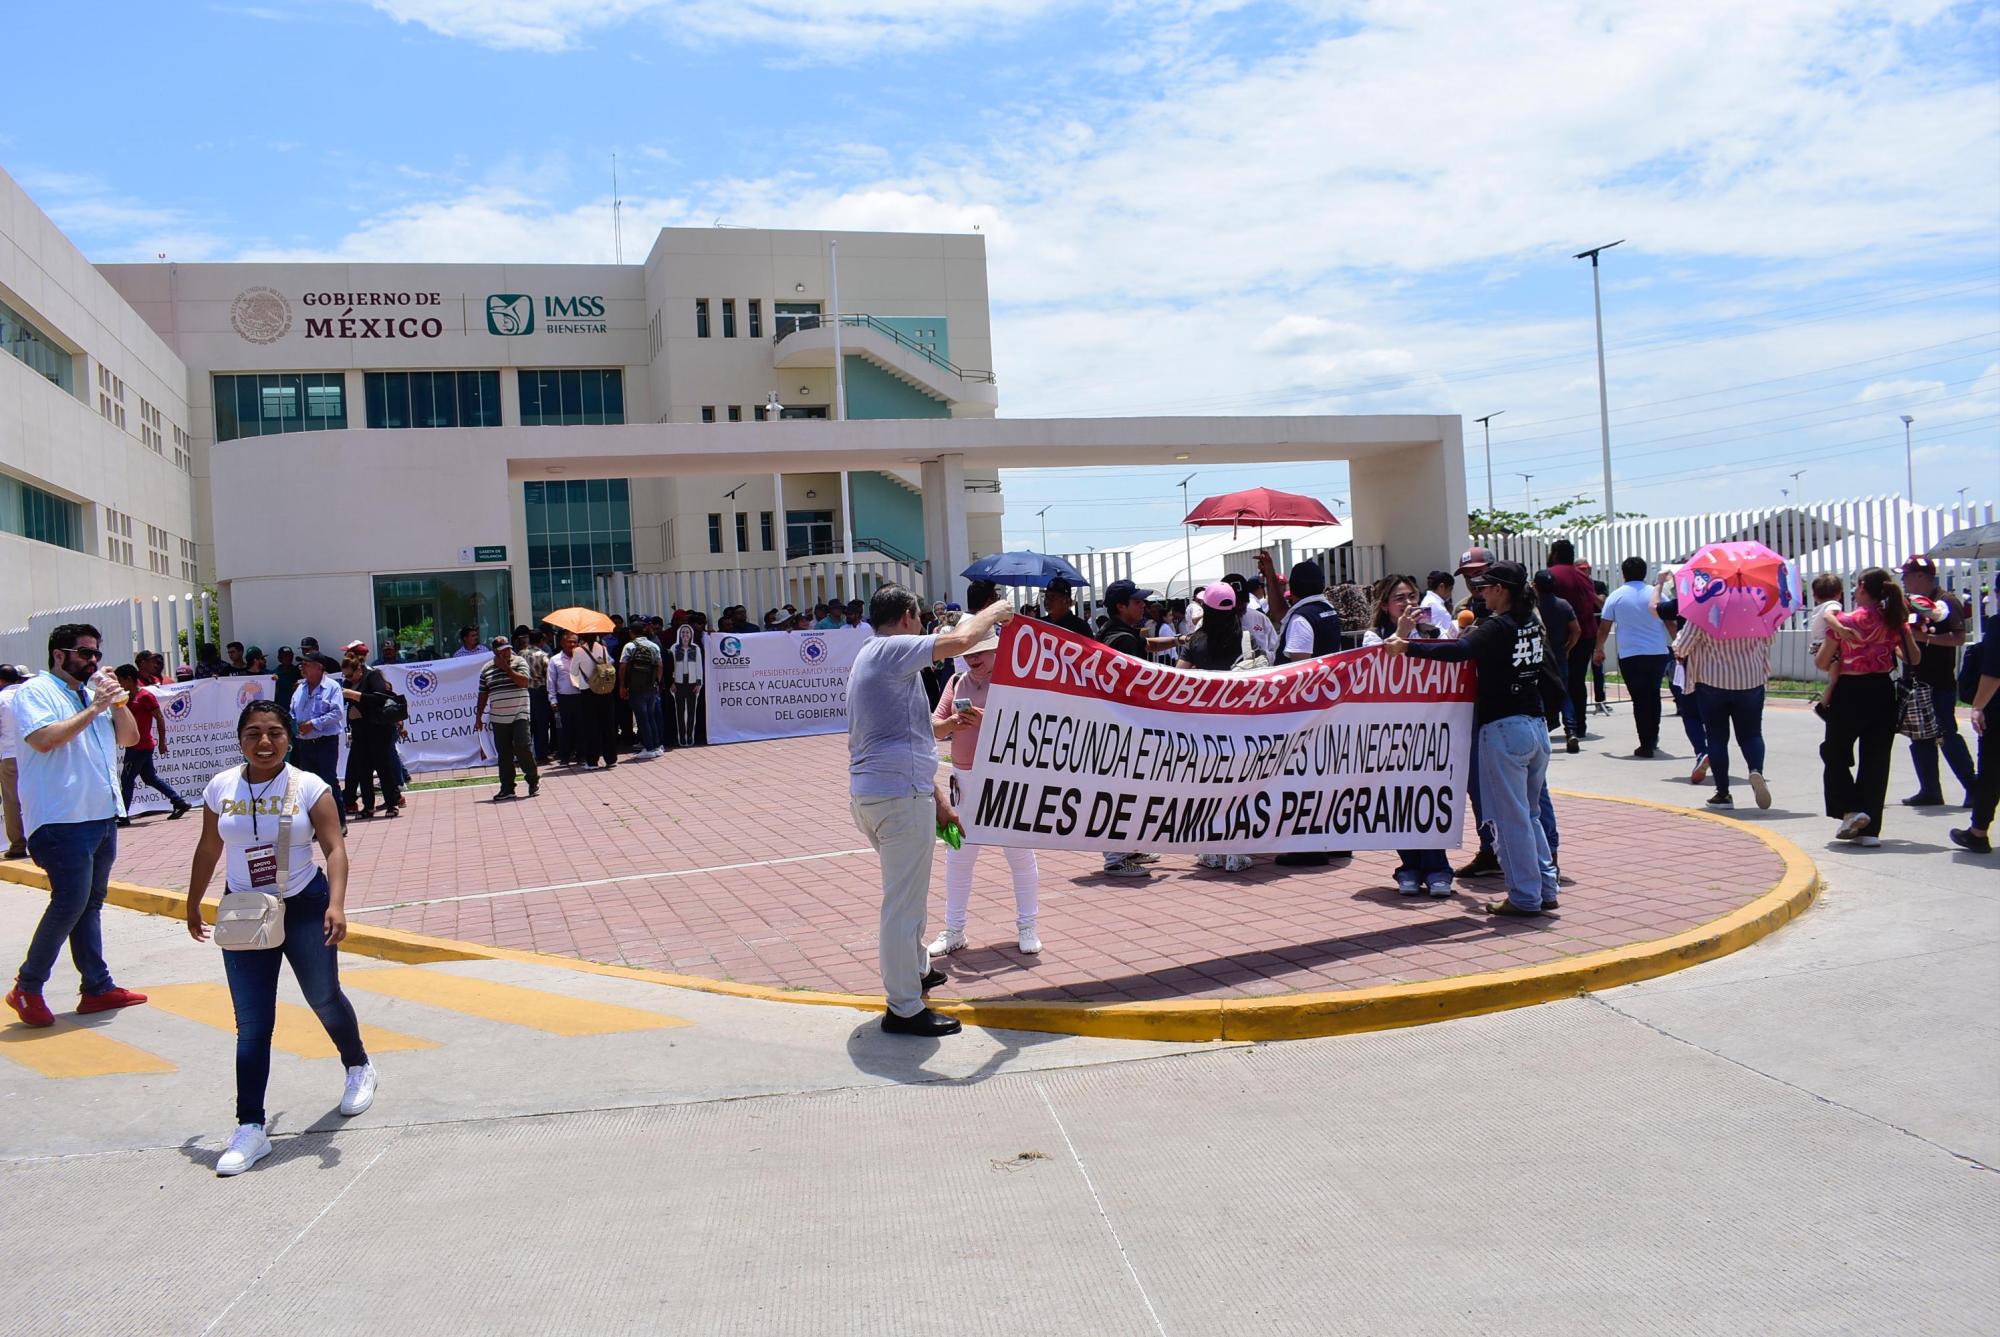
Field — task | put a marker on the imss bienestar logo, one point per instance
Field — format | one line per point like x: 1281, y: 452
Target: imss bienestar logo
x: 509, y: 313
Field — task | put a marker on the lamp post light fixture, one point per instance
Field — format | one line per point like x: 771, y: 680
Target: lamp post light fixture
x: 1603, y: 400
x: 1909, y: 464
x: 1043, y: 516
x: 1187, y: 533
x: 1528, y: 491
x: 1487, y: 423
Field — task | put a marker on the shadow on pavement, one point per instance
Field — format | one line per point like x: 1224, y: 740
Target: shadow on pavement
x: 901, y: 1058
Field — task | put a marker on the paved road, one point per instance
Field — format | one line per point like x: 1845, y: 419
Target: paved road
x: 1791, y: 1140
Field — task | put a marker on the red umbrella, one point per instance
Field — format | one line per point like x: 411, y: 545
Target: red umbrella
x: 1260, y: 506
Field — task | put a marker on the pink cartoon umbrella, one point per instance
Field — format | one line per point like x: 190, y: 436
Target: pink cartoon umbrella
x: 1737, y: 591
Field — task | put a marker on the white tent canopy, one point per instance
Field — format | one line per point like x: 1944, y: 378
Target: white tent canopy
x: 1164, y: 565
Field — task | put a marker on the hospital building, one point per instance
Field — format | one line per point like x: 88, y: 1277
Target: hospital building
x: 400, y: 449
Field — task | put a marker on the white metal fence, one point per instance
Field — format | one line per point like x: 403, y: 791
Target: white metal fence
x: 128, y: 626
x: 758, y: 589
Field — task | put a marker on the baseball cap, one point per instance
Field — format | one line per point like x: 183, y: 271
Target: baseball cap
x: 499, y: 641
x: 356, y: 647
x: 1473, y: 557
x: 1511, y: 574
x: 1219, y: 596
x: 1122, y: 591
x: 1060, y: 585
x: 1919, y: 562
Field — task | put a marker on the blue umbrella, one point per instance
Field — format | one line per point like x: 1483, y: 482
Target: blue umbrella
x: 1023, y: 568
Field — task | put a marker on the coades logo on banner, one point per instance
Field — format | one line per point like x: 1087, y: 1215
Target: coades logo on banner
x: 731, y: 654
x: 513, y: 313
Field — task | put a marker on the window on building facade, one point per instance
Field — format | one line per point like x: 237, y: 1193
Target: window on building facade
x: 573, y: 398
x: 432, y: 398
x: 808, y: 533
x: 158, y: 550
x: 715, y: 531
x: 423, y: 610
x: 183, y: 451
x: 25, y: 340
x: 701, y: 317
x: 787, y: 317
x: 271, y: 403
x: 736, y: 413
x: 28, y: 511
x: 188, y: 568
x: 742, y: 531
x: 764, y: 525
x: 708, y: 413
x: 577, y: 530
x: 729, y: 317
x: 756, y: 318
x: 808, y: 411
x: 757, y: 412
x: 118, y: 537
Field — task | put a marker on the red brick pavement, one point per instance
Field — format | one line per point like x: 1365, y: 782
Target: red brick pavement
x: 677, y: 850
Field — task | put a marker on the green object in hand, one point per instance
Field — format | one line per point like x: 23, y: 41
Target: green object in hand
x: 951, y: 835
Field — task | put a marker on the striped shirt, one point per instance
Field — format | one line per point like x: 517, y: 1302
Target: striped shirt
x: 1734, y: 666
x: 506, y: 695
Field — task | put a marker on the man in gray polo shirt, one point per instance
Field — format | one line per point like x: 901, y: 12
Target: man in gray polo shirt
x: 892, y: 762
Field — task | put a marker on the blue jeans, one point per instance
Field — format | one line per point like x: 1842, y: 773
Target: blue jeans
x: 648, y: 721
x: 77, y: 856
x: 1691, y: 725
x: 321, y: 757
x: 1513, y: 781
x: 253, y: 989
x: 1546, y: 809
x: 138, y: 765
x: 1722, y: 707
x: 1423, y: 864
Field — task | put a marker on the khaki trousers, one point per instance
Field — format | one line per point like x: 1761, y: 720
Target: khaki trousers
x: 902, y: 832
x: 10, y: 799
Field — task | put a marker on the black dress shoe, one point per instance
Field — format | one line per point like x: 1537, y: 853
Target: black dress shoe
x: 925, y: 1022
x: 1483, y: 864
x: 932, y: 980
x: 1509, y: 910
x: 1924, y: 801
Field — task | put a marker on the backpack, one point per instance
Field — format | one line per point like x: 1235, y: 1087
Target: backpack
x: 603, y: 677
x: 642, y: 670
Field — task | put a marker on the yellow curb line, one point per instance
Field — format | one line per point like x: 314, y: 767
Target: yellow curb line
x: 1288, y: 1017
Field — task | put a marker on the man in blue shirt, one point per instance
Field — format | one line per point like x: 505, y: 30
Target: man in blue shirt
x: 319, y: 712
x: 1642, y: 649
x: 72, y: 723
x: 892, y: 761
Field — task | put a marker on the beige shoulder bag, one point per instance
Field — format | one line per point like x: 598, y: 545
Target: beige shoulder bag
x: 254, y: 921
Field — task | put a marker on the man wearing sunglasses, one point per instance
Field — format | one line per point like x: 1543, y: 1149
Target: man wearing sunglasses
x: 73, y: 724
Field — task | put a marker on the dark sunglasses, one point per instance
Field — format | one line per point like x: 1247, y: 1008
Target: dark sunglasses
x: 87, y: 654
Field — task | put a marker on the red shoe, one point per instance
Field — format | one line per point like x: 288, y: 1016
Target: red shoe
x: 108, y: 1000
x: 30, y: 1008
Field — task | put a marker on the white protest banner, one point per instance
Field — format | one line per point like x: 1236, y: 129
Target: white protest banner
x: 1084, y: 748
x: 779, y: 684
x: 199, y: 720
x: 442, y: 694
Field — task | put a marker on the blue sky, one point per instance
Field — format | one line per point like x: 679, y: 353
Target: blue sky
x: 1193, y: 207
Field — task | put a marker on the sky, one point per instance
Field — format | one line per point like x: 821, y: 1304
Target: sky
x: 1191, y: 206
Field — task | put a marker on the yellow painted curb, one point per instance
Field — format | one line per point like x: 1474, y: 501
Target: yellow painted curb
x: 1286, y: 1017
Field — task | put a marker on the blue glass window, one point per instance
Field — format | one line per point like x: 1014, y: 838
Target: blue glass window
x: 42, y: 516
x: 271, y: 403
x: 577, y: 529
x: 585, y: 397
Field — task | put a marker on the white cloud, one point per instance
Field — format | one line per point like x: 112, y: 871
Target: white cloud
x: 832, y: 29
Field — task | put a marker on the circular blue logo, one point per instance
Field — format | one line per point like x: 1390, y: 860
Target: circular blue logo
x: 422, y: 682
x: 812, y: 650
x: 731, y: 646
x: 179, y: 706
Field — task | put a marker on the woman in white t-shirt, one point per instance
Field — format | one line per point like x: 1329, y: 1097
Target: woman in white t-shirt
x: 245, y: 814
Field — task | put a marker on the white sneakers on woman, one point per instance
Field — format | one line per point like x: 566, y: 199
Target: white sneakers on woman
x: 1852, y: 825
x: 360, y: 1092
x: 247, y: 1146
x: 946, y: 942
x: 1031, y: 941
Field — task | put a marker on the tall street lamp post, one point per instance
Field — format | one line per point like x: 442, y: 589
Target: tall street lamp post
x: 1487, y: 423
x: 1603, y: 400
x: 1909, y: 463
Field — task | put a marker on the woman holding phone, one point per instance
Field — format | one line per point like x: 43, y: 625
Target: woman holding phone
x: 248, y: 813
x: 959, y: 710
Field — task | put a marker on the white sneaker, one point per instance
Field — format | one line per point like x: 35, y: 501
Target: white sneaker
x: 1439, y: 885
x: 946, y: 942
x: 1760, y: 789
x: 1237, y: 863
x: 1208, y: 860
x: 1031, y: 941
x: 1852, y: 825
x: 1409, y: 884
x: 360, y: 1092
x: 1870, y: 842
x: 247, y: 1146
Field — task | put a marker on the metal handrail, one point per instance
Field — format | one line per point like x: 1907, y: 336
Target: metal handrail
x: 861, y: 320
x: 832, y: 548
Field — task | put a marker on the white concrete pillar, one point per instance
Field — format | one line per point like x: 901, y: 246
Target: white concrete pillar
x: 947, y: 544
x: 1411, y: 502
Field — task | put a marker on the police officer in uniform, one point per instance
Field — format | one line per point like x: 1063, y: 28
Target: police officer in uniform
x: 1311, y: 628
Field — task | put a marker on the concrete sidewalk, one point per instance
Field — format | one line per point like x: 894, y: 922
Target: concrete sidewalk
x: 1791, y: 1140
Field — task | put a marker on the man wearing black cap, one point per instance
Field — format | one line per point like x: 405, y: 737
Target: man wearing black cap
x: 1939, y: 639
x: 287, y: 676
x: 1062, y: 608
x: 1125, y: 633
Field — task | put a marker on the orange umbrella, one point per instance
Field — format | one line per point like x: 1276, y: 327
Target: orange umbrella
x: 582, y: 621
